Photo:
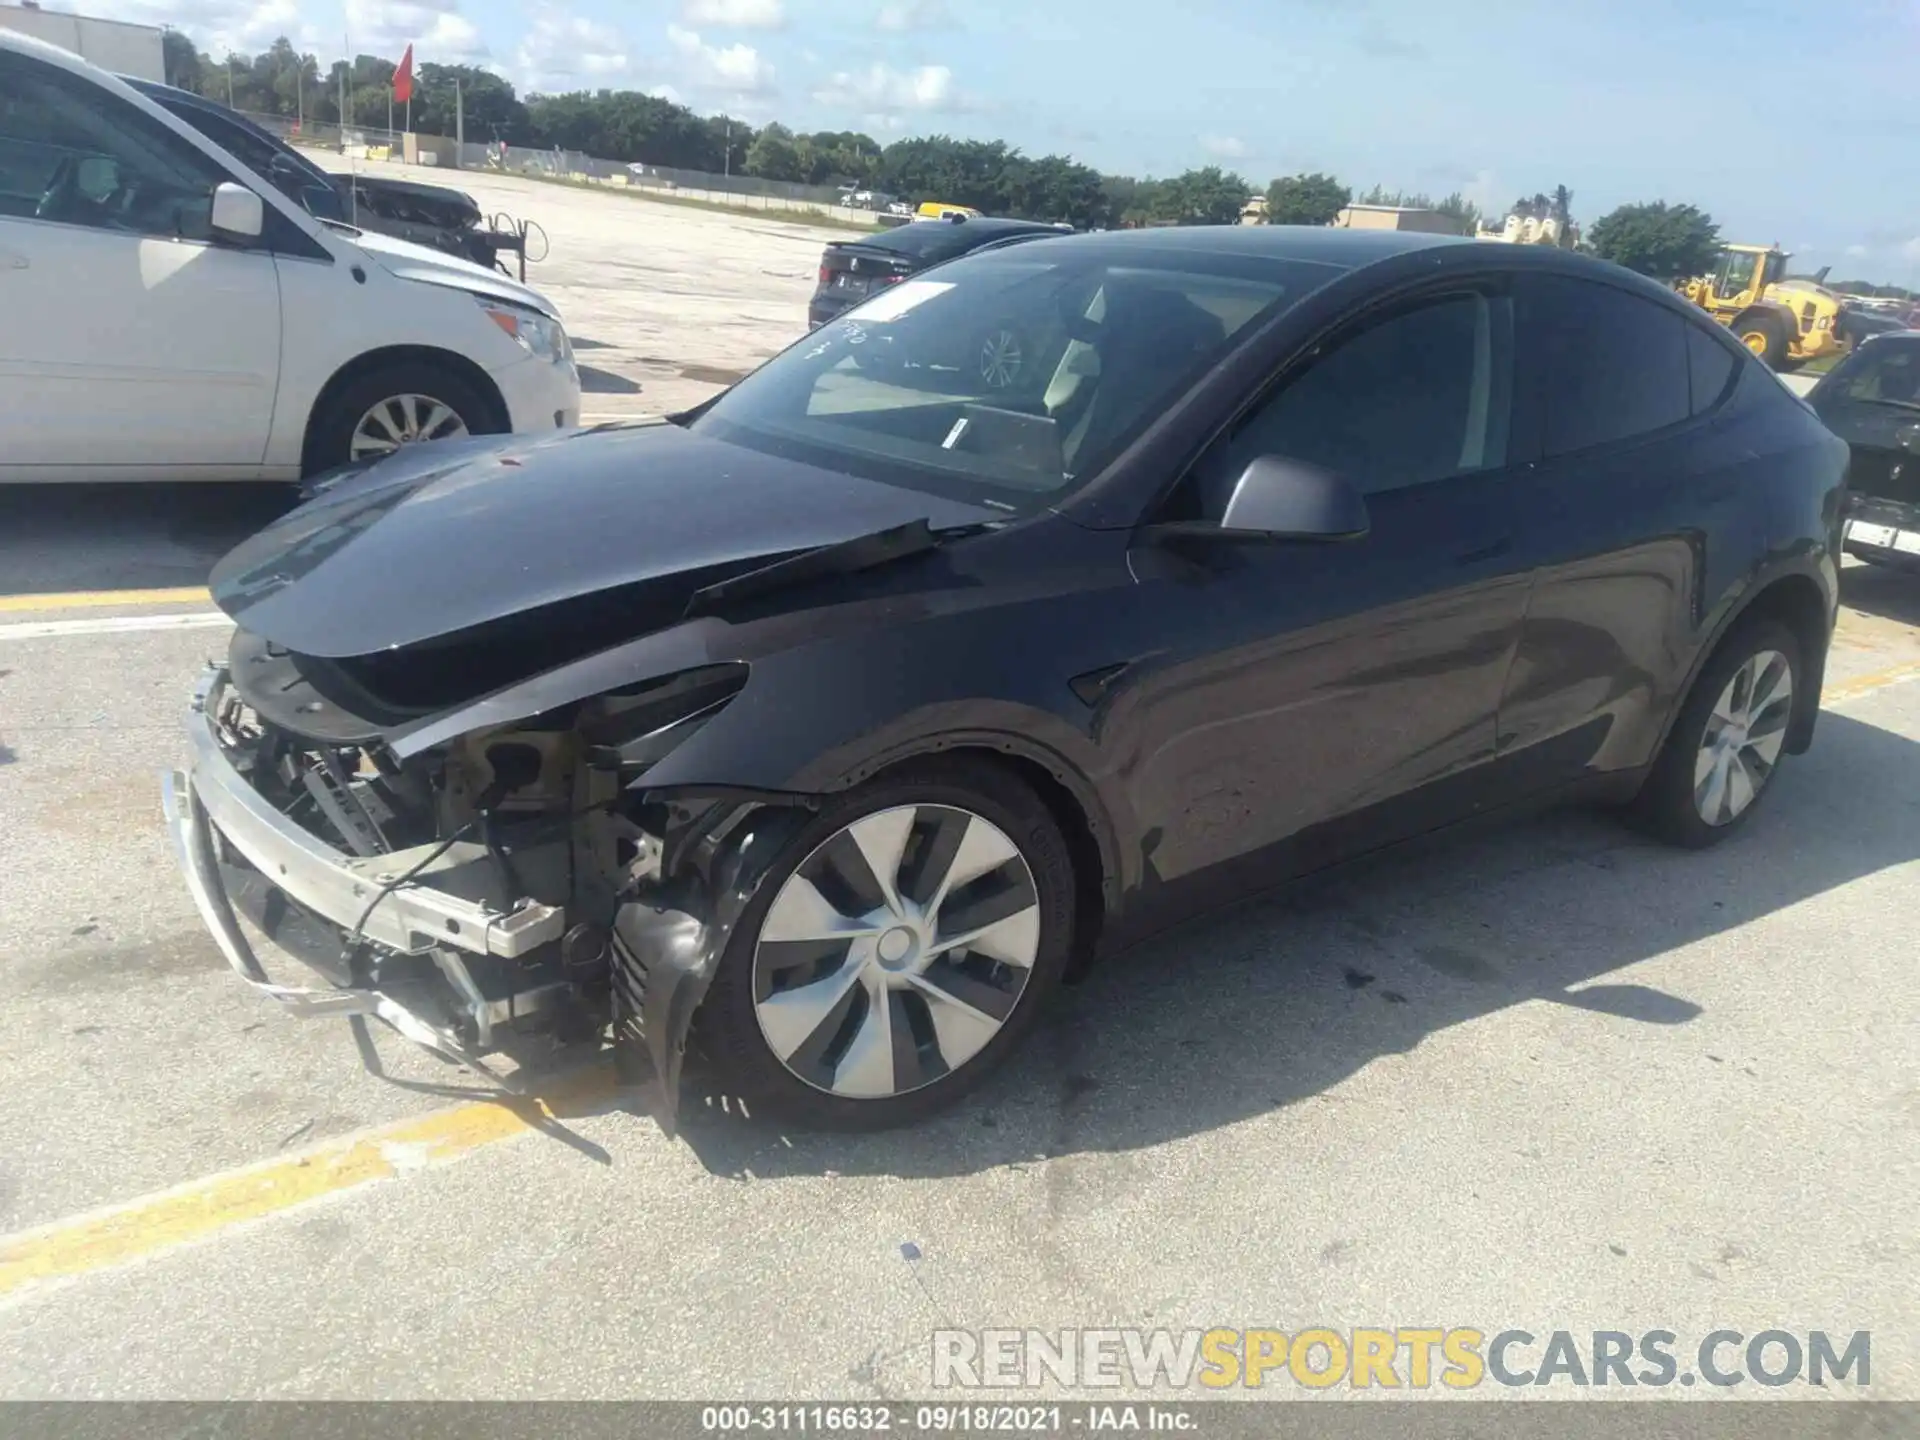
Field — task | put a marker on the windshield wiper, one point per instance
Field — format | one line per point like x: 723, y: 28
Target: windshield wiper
x: 844, y: 557
x: 1895, y: 404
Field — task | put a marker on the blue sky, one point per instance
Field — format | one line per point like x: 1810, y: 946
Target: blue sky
x: 1793, y: 123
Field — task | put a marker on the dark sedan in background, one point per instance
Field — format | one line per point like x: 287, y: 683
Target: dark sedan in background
x: 431, y: 215
x: 844, y: 716
x: 851, y: 270
x: 1871, y: 400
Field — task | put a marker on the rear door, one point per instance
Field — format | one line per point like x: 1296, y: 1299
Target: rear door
x: 1633, y: 515
x: 134, y: 344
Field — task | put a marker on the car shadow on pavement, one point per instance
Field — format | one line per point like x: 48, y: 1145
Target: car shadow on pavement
x: 59, y: 538
x: 1284, y: 999
x: 1889, y: 591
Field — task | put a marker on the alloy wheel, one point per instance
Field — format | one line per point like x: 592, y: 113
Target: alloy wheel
x: 896, y: 951
x: 1743, y: 738
x: 1000, y: 359
x: 404, y: 420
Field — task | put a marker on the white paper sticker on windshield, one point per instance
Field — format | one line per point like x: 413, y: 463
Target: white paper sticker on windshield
x: 907, y: 295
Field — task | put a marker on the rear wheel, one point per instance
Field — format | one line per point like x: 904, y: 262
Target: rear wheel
x: 1765, y: 337
x: 897, y: 954
x: 1726, y: 746
x: 378, y: 413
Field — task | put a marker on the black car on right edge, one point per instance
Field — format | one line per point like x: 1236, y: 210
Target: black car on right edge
x: 1871, y: 400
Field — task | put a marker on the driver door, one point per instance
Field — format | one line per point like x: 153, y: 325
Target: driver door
x: 1313, y: 699
x: 136, y: 346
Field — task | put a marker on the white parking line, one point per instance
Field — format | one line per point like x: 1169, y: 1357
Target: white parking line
x: 112, y: 625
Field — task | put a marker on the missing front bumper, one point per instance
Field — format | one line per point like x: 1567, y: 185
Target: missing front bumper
x: 242, y: 857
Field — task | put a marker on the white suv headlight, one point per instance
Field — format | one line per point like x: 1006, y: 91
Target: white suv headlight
x: 539, y: 335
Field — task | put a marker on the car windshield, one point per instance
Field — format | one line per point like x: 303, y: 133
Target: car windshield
x: 1007, y: 376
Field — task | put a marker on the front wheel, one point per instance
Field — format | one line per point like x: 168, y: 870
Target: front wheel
x: 1725, y: 748
x: 376, y: 414
x: 1765, y: 338
x: 897, y: 954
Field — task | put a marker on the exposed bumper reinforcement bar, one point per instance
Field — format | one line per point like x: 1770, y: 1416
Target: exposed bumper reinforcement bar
x: 213, y: 801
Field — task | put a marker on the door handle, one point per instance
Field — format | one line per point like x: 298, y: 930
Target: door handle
x: 1493, y: 551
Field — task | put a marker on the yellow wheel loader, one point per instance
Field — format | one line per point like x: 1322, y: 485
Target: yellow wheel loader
x: 1785, y: 322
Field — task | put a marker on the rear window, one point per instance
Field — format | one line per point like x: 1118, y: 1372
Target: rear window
x: 1710, y: 368
x: 930, y: 241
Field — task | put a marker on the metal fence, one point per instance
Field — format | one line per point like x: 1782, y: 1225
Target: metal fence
x: 750, y: 191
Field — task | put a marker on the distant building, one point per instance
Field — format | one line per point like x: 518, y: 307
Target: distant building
x: 1398, y: 217
x: 114, y: 45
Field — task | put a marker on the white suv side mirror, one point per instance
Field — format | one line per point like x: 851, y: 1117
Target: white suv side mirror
x: 238, y: 213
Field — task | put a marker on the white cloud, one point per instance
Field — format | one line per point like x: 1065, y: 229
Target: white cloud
x: 735, y: 14
x: 222, y: 27
x: 1224, y: 147
x: 739, y: 70
x: 438, y: 32
x: 1856, y: 251
x: 1911, y: 250
x: 882, y: 91
x: 562, y: 52
x: 902, y: 15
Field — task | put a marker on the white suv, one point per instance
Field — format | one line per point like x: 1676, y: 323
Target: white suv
x: 167, y: 314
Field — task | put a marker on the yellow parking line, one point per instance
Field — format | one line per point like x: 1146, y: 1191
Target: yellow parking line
x: 164, y: 1221
x: 1866, y: 684
x: 94, y: 599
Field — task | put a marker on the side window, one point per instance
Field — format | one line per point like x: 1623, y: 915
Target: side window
x: 72, y: 154
x: 1890, y: 374
x: 1710, y: 366
x: 247, y: 148
x: 1613, y: 365
x: 1420, y: 396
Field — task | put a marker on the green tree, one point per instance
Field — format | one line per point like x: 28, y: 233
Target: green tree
x: 1314, y: 199
x: 182, y: 64
x: 1210, y: 196
x: 1667, y: 242
x: 776, y: 155
x: 442, y: 94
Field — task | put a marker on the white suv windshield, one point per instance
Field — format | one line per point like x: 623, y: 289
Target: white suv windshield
x: 1007, y: 376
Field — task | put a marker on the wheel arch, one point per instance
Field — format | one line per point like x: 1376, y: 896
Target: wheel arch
x: 1772, y: 311
x: 1798, y: 601
x: 1076, y: 807
x: 369, y: 361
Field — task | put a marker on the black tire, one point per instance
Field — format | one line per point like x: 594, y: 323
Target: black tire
x: 1666, y: 805
x: 730, y: 1033
x: 1774, y: 351
x: 330, y: 435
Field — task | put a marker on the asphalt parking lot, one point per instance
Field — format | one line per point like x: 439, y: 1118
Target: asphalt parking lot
x: 1553, y: 1078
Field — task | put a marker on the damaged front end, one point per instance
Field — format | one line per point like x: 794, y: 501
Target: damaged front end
x: 512, y: 882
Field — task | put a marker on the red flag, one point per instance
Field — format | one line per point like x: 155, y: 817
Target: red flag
x: 403, y: 78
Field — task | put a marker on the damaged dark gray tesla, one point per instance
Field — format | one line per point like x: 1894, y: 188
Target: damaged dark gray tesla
x: 840, y: 719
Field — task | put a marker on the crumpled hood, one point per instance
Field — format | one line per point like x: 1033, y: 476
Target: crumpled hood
x: 436, y: 267
x: 444, y: 537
